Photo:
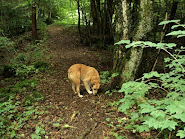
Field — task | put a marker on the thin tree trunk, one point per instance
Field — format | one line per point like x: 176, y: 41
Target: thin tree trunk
x: 79, y: 29
x: 94, y: 14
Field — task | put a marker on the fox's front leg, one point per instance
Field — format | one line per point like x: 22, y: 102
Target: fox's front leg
x: 87, y: 86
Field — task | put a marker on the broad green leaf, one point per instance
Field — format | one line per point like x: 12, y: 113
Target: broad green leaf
x: 129, y: 126
x: 122, y: 42
x: 167, y: 59
x: 180, y: 116
x: 179, y: 32
x: 160, y: 45
x: 181, y: 133
x: 146, y: 108
x: 124, y: 106
x: 152, y: 123
x: 170, y: 45
x: 128, y: 46
x: 158, y: 113
x: 134, y: 115
x: 151, y: 74
x: 141, y: 128
x: 179, y: 36
x: 168, y: 124
x: 154, y: 85
x: 176, y: 26
x: 176, y: 107
x: 151, y: 44
x: 173, y: 95
x: 170, y: 21
x: 161, y: 123
x: 137, y: 43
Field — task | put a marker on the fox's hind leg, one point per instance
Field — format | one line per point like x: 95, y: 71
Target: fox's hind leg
x: 73, y: 87
x: 78, y: 87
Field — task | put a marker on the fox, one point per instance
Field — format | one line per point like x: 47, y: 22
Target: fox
x: 89, y: 76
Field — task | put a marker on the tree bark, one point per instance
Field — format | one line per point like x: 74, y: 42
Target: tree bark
x: 107, y: 28
x: 122, y: 28
x: 34, y: 22
x: 131, y: 59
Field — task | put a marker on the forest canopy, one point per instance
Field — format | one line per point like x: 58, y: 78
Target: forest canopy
x: 101, y: 18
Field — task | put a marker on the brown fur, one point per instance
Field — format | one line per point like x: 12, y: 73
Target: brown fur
x: 89, y: 76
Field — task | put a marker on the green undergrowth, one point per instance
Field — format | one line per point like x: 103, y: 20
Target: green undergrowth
x: 154, y: 105
x: 22, y: 62
x: 21, y: 57
x: 17, y: 108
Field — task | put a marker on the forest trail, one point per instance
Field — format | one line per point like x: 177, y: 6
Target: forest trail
x: 79, y: 118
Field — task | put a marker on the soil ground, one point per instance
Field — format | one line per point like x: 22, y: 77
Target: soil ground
x: 80, y: 118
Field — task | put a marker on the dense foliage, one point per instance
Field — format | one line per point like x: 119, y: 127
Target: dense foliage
x: 20, y: 61
x: 158, y: 100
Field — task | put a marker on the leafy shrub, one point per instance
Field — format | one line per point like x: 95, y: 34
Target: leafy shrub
x: 106, y: 76
x: 23, y: 71
x: 162, y: 114
x: 25, y: 63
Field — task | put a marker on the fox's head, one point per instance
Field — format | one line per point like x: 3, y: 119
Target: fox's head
x: 95, y: 86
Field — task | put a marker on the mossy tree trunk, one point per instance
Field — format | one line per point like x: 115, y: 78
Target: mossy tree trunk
x: 135, y: 27
x: 122, y: 29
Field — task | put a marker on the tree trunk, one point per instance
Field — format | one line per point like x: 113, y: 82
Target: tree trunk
x: 122, y: 28
x: 79, y: 30
x: 94, y: 16
x: 107, y: 28
x: 131, y: 60
x: 34, y: 22
x: 172, y: 16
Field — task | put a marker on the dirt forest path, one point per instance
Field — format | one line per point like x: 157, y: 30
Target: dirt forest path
x: 79, y: 118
